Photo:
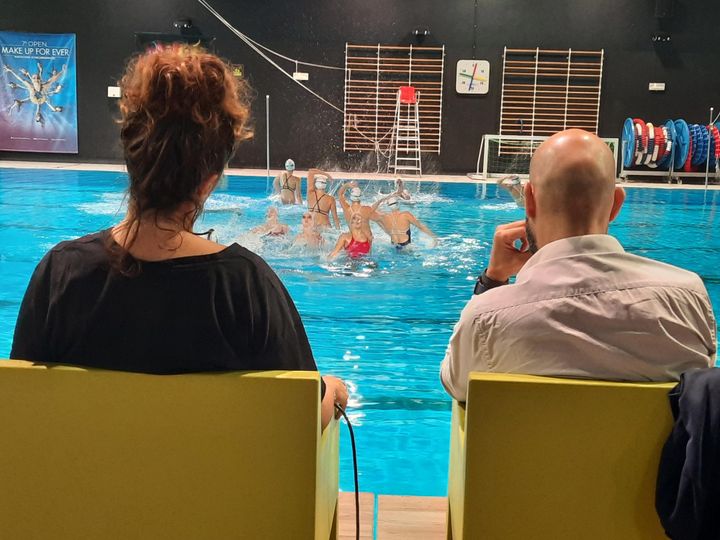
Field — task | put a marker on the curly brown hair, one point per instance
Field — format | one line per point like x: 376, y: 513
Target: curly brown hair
x: 183, y: 114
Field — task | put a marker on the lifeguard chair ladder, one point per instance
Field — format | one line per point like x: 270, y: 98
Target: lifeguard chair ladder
x: 407, y: 131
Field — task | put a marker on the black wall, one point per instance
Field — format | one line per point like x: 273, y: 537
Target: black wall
x: 317, y: 30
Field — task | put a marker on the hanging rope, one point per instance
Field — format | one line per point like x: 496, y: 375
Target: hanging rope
x: 251, y: 44
x: 255, y: 46
x: 321, y: 66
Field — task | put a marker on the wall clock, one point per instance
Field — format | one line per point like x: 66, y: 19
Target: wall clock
x: 472, y: 77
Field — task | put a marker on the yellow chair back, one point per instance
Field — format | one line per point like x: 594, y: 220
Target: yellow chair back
x: 92, y: 454
x: 546, y: 458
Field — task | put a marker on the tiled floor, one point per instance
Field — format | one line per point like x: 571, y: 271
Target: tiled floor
x: 399, y: 517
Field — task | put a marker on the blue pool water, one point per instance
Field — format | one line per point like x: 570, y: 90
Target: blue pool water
x: 384, y: 327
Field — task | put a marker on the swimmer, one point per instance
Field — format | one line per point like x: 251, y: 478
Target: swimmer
x: 288, y: 186
x: 309, y: 236
x: 355, y: 242
x: 397, y: 223
x: 400, y: 190
x: 514, y: 186
x: 320, y: 204
x: 272, y: 225
x: 356, y: 207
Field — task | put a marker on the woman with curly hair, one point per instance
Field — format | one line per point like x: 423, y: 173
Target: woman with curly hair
x: 149, y: 295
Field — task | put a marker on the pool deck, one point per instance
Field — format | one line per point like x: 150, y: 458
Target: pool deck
x: 345, y: 175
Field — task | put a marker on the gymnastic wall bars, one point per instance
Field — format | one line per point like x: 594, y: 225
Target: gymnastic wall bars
x: 549, y: 90
x: 373, y: 75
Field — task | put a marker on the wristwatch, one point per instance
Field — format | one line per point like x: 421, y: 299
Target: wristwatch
x: 484, y: 283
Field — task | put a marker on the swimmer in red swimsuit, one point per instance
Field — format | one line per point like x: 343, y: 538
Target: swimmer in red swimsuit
x: 357, y: 249
x: 356, y: 243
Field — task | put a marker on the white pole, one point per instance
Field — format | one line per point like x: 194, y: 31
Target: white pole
x: 267, y: 138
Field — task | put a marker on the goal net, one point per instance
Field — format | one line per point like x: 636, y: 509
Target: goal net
x: 503, y: 155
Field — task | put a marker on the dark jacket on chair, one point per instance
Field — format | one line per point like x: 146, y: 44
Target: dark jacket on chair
x: 688, y: 485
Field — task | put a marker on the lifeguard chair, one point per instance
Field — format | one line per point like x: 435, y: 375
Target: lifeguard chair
x: 407, y: 131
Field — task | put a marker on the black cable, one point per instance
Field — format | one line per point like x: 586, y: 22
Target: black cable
x: 207, y: 233
x: 355, y: 470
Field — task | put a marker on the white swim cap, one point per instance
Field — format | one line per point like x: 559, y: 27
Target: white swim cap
x: 392, y: 201
x: 321, y: 183
x: 355, y: 194
x: 289, y: 165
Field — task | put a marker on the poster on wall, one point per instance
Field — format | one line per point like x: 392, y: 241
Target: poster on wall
x: 38, y: 93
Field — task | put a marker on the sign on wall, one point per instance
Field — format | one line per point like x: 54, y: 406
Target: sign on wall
x: 38, y: 93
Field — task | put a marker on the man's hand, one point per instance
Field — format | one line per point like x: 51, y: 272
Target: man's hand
x: 505, y: 259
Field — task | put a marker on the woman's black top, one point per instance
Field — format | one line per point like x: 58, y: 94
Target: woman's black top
x: 224, y: 311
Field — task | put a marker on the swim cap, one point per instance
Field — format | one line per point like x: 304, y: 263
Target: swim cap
x: 355, y: 194
x: 289, y: 165
x: 320, y: 183
x: 392, y: 201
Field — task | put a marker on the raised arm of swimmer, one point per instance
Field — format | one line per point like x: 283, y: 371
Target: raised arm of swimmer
x: 311, y: 179
x: 377, y: 203
x: 310, y: 188
x: 339, y: 246
x: 298, y: 191
x: 276, y: 184
x: 424, y: 228
x: 333, y: 209
x: 341, y: 195
x: 399, y: 192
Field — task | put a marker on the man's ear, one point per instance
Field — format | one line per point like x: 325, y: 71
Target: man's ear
x: 530, y: 203
x: 207, y: 187
x: 618, y: 200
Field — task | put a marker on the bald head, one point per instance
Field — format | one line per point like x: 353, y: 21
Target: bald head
x: 573, y: 176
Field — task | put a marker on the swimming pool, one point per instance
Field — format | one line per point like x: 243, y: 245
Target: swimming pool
x: 382, y: 327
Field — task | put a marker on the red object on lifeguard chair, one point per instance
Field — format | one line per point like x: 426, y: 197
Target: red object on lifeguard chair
x: 407, y: 95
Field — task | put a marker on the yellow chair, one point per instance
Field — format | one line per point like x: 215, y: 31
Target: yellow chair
x: 92, y: 454
x: 535, y: 458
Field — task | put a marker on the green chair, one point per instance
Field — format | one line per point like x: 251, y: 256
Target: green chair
x: 534, y: 458
x: 93, y: 454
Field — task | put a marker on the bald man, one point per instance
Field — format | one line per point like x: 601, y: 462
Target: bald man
x: 580, y: 305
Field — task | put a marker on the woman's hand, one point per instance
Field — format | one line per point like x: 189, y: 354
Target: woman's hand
x: 340, y: 392
x: 335, y: 393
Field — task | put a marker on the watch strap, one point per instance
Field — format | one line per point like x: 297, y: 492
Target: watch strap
x: 485, y: 283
